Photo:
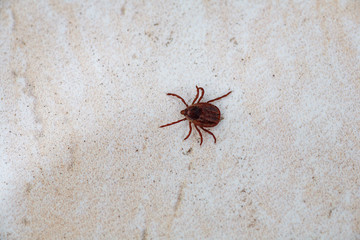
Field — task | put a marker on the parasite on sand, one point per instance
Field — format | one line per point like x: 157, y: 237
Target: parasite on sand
x: 201, y: 114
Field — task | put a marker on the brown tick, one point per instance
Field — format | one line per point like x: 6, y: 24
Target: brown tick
x: 201, y: 114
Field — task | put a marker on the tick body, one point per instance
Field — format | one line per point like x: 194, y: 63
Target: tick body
x: 201, y: 114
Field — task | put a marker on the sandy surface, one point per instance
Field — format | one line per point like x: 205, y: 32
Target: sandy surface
x: 83, y: 93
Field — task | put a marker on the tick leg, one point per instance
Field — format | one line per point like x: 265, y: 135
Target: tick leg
x: 189, y: 131
x: 201, y: 138
x: 209, y: 133
x: 202, y: 94
x: 172, y: 94
x: 197, y: 95
x: 173, y: 123
x: 219, y: 97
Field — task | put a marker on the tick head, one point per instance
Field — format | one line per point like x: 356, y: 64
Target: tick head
x: 192, y: 112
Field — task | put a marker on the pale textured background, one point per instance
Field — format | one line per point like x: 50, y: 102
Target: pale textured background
x: 82, y: 92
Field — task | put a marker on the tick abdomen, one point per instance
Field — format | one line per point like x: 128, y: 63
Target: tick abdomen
x: 203, y: 114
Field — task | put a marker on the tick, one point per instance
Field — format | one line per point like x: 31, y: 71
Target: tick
x: 201, y: 114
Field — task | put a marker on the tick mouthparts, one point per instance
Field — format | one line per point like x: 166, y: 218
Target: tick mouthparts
x: 182, y: 112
